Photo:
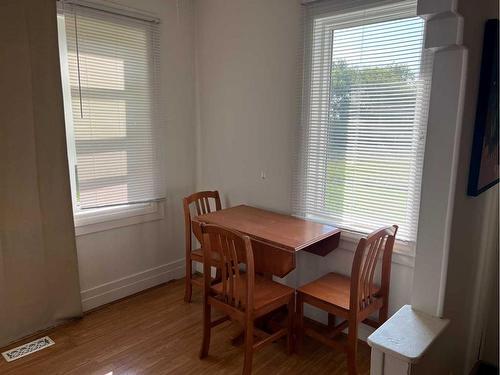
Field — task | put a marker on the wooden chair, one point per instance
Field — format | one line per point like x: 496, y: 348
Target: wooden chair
x: 242, y: 296
x: 352, y: 298
x: 204, y: 202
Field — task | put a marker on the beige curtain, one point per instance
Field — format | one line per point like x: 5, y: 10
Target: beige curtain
x: 39, y: 284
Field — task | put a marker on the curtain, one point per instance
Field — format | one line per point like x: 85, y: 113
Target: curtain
x: 39, y: 285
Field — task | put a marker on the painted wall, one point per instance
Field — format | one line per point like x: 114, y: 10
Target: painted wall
x: 246, y: 81
x: 246, y: 63
x: 121, y: 261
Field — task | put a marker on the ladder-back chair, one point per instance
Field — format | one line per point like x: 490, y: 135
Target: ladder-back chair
x: 353, y: 298
x: 203, y: 202
x: 241, y: 295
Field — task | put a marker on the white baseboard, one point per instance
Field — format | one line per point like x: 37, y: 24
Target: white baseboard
x: 125, y: 286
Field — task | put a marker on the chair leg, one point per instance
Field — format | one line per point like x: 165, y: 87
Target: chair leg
x: 352, y: 347
x: 290, y: 326
x: 299, y: 323
x: 207, y: 319
x: 247, y: 365
x: 188, y: 288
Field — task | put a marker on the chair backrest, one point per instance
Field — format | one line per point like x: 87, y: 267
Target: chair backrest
x: 363, y: 290
x: 229, y: 250
x: 204, y: 202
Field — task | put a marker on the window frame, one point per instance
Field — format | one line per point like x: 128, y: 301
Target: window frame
x: 405, y: 248
x: 93, y: 220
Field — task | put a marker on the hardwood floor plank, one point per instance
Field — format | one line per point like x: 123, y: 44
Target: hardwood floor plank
x: 156, y: 332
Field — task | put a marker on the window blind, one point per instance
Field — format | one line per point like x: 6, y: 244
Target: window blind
x: 364, y: 104
x: 111, y: 63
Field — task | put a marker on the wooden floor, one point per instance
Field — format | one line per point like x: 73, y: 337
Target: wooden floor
x: 155, y: 332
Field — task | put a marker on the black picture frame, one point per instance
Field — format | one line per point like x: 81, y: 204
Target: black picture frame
x: 484, y: 163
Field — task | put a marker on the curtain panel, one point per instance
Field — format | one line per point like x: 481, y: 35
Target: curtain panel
x: 39, y: 285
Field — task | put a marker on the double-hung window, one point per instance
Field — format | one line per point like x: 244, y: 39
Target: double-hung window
x: 110, y: 77
x: 363, y: 115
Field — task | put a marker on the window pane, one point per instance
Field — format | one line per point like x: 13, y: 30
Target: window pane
x: 365, y: 126
x: 113, y: 79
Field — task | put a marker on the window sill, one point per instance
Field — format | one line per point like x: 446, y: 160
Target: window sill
x: 403, y: 253
x: 101, y: 219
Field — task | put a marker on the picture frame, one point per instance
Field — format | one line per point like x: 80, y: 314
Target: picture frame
x: 484, y: 163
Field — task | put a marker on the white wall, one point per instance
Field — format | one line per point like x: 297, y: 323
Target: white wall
x: 246, y: 78
x: 247, y: 114
x: 118, y: 262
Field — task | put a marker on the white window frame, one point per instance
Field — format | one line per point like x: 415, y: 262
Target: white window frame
x: 100, y: 219
x: 405, y: 251
x: 104, y: 218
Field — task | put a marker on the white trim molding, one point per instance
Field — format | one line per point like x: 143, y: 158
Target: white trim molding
x: 115, y: 8
x: 101, y: 219
x: 125, y: 286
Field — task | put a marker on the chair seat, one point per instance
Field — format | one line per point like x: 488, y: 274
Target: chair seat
x: 266, y: 291
x: 332, y: 288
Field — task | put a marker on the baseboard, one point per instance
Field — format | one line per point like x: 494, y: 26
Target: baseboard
x: 125, y: 286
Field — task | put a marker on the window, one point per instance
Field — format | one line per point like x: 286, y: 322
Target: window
x: 109, y: 66
x: 364, y: 107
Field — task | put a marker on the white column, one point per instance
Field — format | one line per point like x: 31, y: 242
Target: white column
x: 444, y: 28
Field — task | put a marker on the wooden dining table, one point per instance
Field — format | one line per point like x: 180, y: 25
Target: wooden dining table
x: 276, y: 238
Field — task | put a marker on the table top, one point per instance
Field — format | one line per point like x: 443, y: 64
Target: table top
x: 284, y: 231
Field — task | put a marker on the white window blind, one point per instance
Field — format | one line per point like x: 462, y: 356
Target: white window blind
x: 364, y: 104
x: 110, y: 76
